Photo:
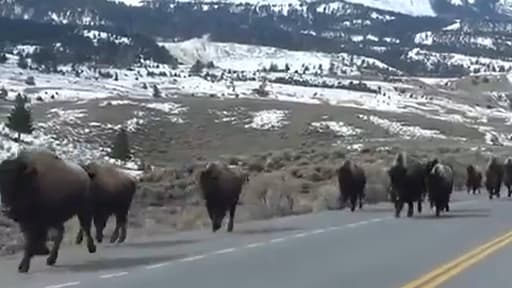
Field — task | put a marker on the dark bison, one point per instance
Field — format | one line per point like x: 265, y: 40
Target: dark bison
x: 508, y: 176
x: 408, y: 183
x: 440, y: 186
x: 352, y: 181
x: 112, y: 191
x: 41, y: 191
x: 221, y: 187
x: 494, y: 177
x: 473, y: 179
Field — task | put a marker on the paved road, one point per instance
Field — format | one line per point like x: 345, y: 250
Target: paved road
x: 367, y: 248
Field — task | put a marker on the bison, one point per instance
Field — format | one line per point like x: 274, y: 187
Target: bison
x: 440, y: 186
x: 112, y: 191
x: 473, y: 179
x: 352, y: 181
x: 41, y: 191
x: 221, y: 187
x: 408, y: 183
x: 508, y: 176
x: 494, y: 177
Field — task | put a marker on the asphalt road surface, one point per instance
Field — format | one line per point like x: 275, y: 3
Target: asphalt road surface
x: 368, y: 248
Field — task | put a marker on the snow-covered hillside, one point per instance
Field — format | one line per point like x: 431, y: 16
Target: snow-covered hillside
x: 241, y: 57
x: 409, y: 7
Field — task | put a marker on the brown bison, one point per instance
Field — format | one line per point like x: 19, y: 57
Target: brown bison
x: 112, y: 191
x: 41, y: 191
x: 408, y: 183
x: 440, y: 186
x: 507, y: 177
x: 473, y: 179
x: 221, y: 187
x: 494, y: 177
x: 352, y: 181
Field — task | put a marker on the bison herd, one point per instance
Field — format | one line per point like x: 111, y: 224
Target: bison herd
x: 40, y: 191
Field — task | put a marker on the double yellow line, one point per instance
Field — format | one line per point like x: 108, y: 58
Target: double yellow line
x: 447, y: 271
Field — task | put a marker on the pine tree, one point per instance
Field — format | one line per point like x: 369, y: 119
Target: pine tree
x: 121, y: 146
x: 20, y: 119
x: 3, y: 58
x: 286, y: 67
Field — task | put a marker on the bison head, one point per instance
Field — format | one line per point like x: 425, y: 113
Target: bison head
x: 15, y: 180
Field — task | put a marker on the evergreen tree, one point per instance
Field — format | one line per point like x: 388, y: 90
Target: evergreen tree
x: 210, y: 65
x: 20, y: 119
x: 121, y: 146
x: 3, y: 58
x: 156, y: 92
x: 286, y: 67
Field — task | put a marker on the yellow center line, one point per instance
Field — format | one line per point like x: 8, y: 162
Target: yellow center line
x: 449, y: 270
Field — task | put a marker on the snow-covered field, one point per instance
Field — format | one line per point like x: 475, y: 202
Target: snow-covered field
x: 134, y: 87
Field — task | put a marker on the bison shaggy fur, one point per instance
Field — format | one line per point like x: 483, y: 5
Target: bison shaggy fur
x: 352, y: 182
x: 494, y: 177
x: 221, y: 187
x: 408, y: 183
x: 473, y: 179
x: 507, y: 177
x: 112, y: 191
x: 41, y: 191
x: 440, y: 186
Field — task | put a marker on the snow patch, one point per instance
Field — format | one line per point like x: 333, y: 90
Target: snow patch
x: 116, y: 102
x: 424, y: 38
x: 454, y: 26
x: 339, y: 128
x: 268, y: 119
x: 169, y: 108
x: 404, y: 131
x: 135, y: 3
x: 96, y: 36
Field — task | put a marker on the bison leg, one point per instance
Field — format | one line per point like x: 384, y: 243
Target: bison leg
x: 232, y: 211
x: 79, y: 237
x: 410, y: 209
x: 34, y: 236
x: 56, y: 245
x: 398, y: 208
x: 353, y: 202
x: 419, y: 206
x: 85, y: 225
x: 438, y: 210
x: 120, y: 231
